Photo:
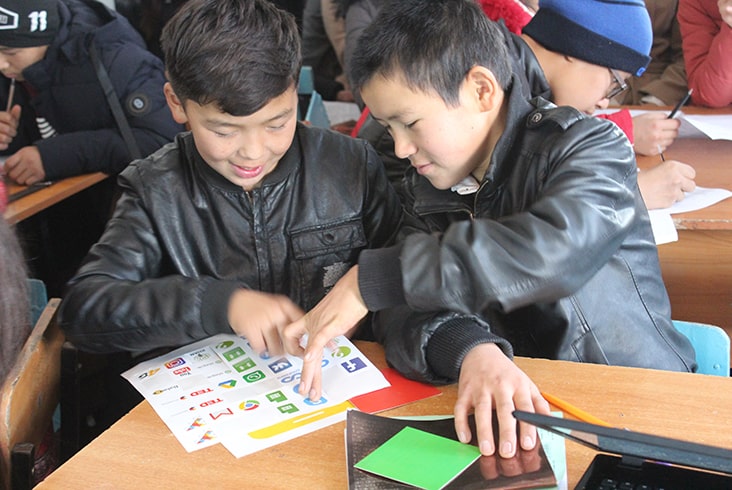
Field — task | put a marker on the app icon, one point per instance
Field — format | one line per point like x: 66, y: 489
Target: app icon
x: 341, y: 351
x: 254, y: 376
x: 233, y: 354
x: 244, y: 365
x: 175, y: 363
x: 249, y: 405
x: 288, y: 408
x: 280, y: 365
x: 276, y: 396
x: 353, y: 365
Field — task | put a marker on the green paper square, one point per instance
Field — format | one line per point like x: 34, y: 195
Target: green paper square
x: 420, y: 459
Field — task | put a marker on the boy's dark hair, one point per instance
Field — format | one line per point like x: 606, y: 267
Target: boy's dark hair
x: 434, y: 43
x: 238, y: 54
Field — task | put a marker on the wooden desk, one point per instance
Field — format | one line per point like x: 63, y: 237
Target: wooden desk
x: 36, y: 202
x: 140, y: 452
x: 697, y: 269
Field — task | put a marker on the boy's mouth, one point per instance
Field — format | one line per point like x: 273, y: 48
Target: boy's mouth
x: 247, y: 172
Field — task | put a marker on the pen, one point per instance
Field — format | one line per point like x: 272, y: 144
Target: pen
x: 11, y: 93
x: 577, y: 413
x: 680, y: 104
x: 660, y: 152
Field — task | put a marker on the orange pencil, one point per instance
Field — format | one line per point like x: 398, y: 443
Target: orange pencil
x: 577, y: 413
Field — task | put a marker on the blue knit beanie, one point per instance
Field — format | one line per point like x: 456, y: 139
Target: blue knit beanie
x: 611, y: 33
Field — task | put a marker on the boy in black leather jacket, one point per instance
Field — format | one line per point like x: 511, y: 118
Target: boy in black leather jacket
x: 244, y: 220
x: 526, y: 231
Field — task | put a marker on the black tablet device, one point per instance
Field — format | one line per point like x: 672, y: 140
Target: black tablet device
x: 635, y: 460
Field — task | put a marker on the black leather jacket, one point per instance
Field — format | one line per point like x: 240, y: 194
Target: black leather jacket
x: 183, y: 238
x: 553, y: 256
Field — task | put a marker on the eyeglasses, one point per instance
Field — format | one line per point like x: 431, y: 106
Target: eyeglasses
x: 621, y: 85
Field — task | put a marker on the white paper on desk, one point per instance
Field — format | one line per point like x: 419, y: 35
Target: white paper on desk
x: 699, y: 198
x: 715, y: 126
x: 219, y: 388
x: 339, y: 112
x: 712, y: 126
x: 664, y: 229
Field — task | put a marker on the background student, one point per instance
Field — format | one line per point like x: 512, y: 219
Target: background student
x: 525, y: 224
x: 706, y: 32
x: 664, y: 81
x: 554, y: 64
x: 60, y: 122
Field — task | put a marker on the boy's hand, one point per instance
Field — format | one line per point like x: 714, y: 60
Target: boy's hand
x: 9, y: 126
x: 653, y: 132
x: 25, y: 166
x: 665, y: 184
x: 489, y: 380
x: 337, y: 314
x: 259, y: 316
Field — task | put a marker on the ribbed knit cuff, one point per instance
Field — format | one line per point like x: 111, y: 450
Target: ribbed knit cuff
x: 380, y: 278
x: 449, y: 345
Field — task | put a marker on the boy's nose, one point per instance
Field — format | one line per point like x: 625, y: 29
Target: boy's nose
x: 403, y: 147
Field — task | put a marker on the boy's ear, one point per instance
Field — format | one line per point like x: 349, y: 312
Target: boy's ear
x: 484, y: 89
x: 176, y: 106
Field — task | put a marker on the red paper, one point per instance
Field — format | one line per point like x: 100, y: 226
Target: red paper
x: 401, y: 392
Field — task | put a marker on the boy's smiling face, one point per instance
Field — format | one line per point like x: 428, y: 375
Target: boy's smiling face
x: 244, y: 149
x: 445, y: 144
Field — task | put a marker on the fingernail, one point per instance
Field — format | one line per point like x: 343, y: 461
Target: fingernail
x: 507, y: 449
x: 486, y: 448
x: 462, y: 438
x: 528, y: 443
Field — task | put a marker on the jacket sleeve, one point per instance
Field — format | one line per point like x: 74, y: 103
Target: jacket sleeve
x: 121, y: 298
x: 707, y: 42
x: 382, y: 207
x: 584, y: 209
x: 138, y: 79
x: 624, y: 121
x: 430, y: 347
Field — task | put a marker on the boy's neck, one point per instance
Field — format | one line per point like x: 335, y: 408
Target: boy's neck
x: 497, y: 127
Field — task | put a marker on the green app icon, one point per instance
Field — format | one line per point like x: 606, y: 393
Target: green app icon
x: 254, y: 376
x: 244, y: 365
x: 276, y: 397
x: 288, y: 408
x: 233, y: 354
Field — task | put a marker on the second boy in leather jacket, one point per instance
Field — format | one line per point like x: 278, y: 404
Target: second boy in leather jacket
x: 595, y: 252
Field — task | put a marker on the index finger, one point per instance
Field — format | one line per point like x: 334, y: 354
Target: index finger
x: 310, y: 378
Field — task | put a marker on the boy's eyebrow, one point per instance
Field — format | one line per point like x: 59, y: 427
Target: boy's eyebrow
x: 220, y: 122
x: 397, y: 116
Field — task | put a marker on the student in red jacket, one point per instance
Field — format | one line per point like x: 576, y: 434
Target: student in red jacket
x: 706, y: 33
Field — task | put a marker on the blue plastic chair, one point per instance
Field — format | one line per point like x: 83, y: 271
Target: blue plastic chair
x: 315, y: 113
x: 38, y: 298
x: 712, y: 346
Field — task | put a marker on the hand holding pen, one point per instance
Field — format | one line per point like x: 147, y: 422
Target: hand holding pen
x: 673, y: 113
x: 681, y: 103
x: 9, y: 119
